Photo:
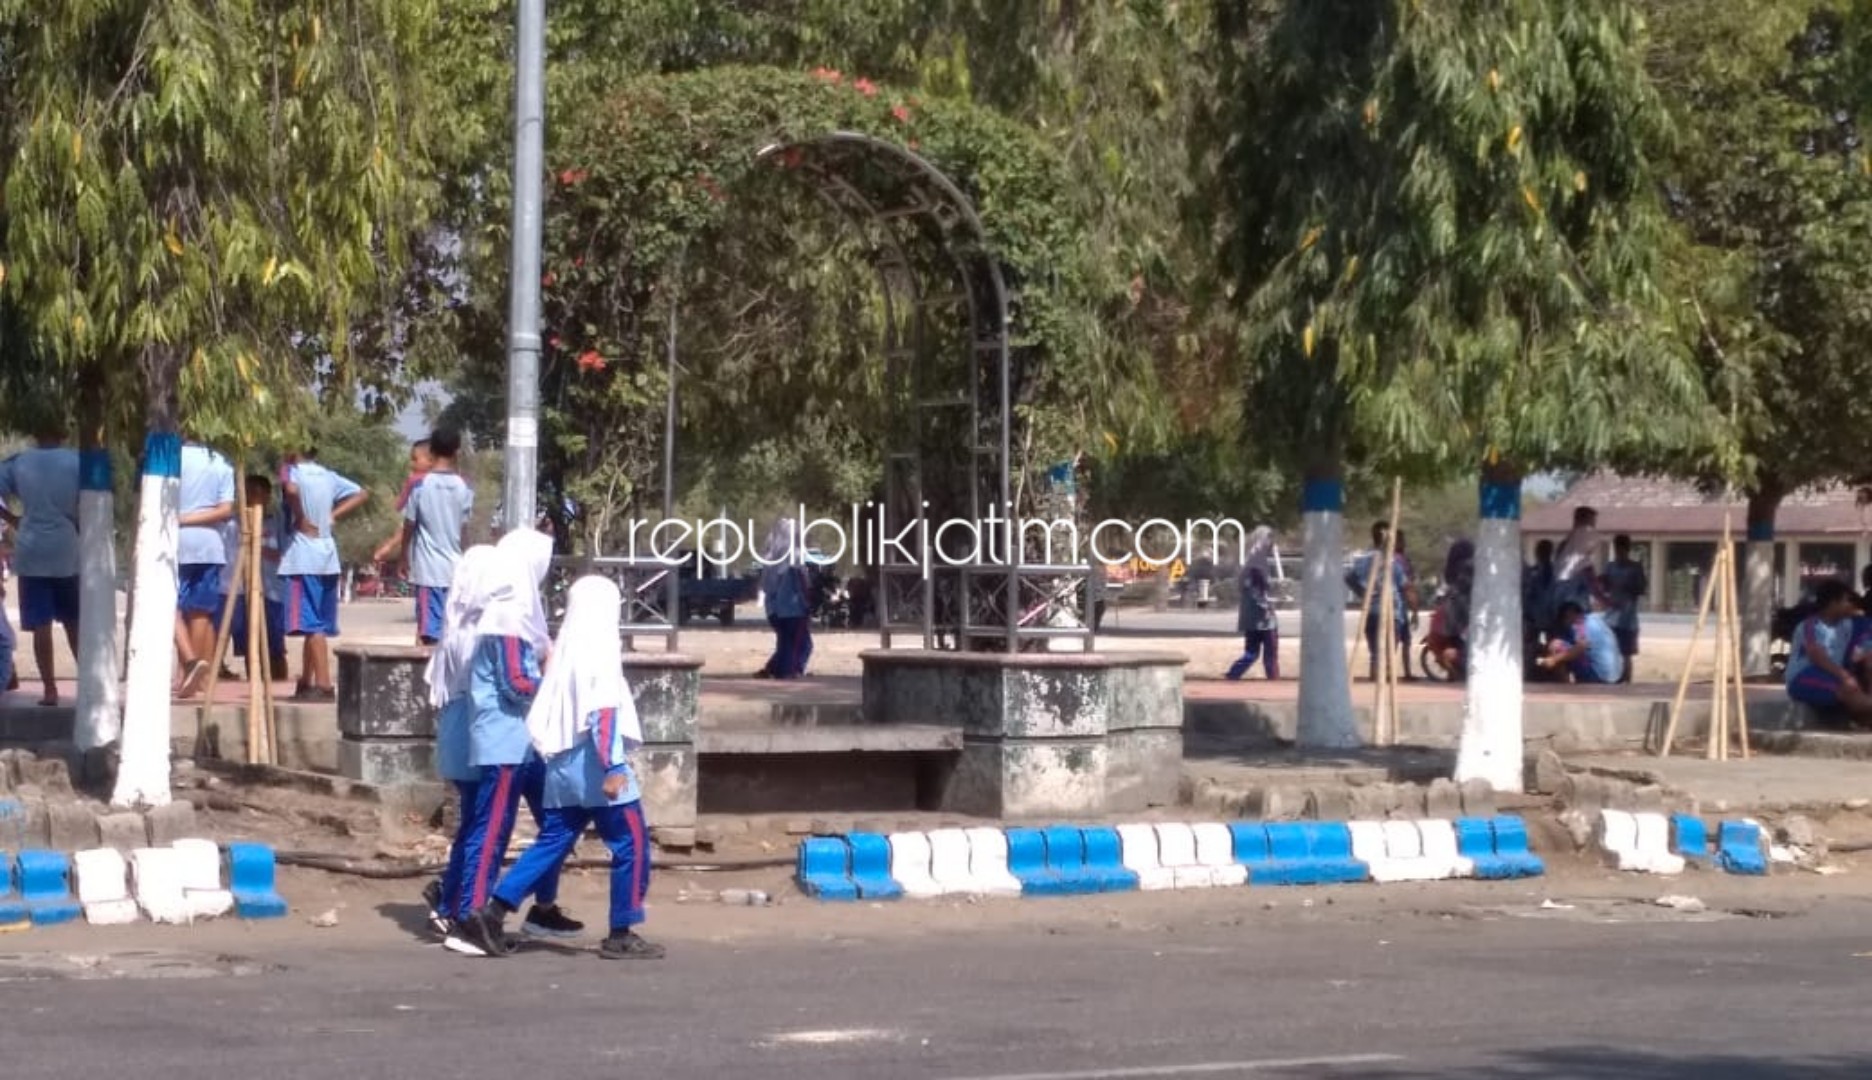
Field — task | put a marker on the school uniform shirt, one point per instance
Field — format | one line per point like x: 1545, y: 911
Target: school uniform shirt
x: 438, y: 510
x: 45, y: 481
x: 207, y: 482
x: 320, y: 491
x: 1833, y: 638
x: 452, y: 753
x: 1602, y: 651
x: 577, y: 776
x: 1400, y: 578
x: 1257, y: 612
x: 1625, y: 584
x: 788, y: 600
x: 502, y: 683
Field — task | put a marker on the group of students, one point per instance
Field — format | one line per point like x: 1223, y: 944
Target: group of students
x: 1830, y: 658
x: 523, y: 717
x: 300, y: 563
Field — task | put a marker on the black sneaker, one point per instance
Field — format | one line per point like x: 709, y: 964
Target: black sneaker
x: 480, y: 934
x: 432, y: 896
x: 627, y: 945
x: 550, y: 922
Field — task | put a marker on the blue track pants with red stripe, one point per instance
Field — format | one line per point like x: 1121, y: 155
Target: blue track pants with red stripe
x: 623, y: 831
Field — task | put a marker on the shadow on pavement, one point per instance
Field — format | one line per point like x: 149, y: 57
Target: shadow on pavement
x: 1594, y: 1063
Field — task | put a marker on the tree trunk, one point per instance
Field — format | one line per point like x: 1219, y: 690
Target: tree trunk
x: 1491, y: 738
x: 143, y: 771
x: 98, y: 717
x: 1326, y: 719
x: 1758, y: 581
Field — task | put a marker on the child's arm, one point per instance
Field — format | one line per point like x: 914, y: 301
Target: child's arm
x: 611, y: 747
x: 517, y: 673
x: 1817, y: 654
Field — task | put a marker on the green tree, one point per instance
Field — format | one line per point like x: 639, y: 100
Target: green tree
x: 200, y: 199
x: 1767, y: 173
x: 1439, y: 223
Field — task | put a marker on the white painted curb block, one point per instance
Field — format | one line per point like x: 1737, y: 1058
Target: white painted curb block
x: 1176, y: 849
x: 988, y: 863
x: 199, y: 867
x: 1215, y: 849
x: 157, y: 875
x: 910, y: 865
x: 103, y: 887
x: 1638, y: 842
x: 1137, y: 846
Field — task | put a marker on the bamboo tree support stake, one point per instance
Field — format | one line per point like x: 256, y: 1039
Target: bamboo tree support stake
x: 227, y: 616
x: 1716, y: 746
x: 1683, y: 680
x: 1733, y: 595
x: 259, y: 661
x: 1384, y: 693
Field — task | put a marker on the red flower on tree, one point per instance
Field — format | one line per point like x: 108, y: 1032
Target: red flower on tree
x: 865, y: 87
x: 589, y: 360
x: 826, y: 75
x: 573, y: 176
x: 901, y: 112
x: 547, y: 279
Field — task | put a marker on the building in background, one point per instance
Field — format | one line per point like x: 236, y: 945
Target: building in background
x: 1675, y: 528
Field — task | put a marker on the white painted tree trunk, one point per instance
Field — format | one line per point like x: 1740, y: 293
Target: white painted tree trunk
x: 1758, y: 582
x: 99, y: 712
x: 1326, y: 719
x: 143, y: 772
x: 1491, y: 737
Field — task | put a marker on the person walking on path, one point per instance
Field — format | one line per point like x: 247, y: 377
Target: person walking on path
x: 1256, y: 619
x: 787, y: 595
x: 44, y: 481
x: 1626, y: 584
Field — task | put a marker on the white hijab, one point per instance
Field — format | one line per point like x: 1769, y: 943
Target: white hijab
x: 1259, y: 554
x: 452, y: 661
x: 586, y: 673
x: 1577, y: 552
x: 514, y: 608
x: 780, y: 555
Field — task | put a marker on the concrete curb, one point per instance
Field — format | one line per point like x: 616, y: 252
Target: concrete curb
x: 177, y: 884
x: 1069, y: 860
x: 1652, y: 843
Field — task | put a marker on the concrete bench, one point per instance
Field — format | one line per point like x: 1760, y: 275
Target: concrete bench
x: 832, y: 739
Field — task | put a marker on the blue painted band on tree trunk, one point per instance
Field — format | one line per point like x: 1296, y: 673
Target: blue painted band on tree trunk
x: 94, y: 470
x: 1761, y: 531
x: 1322, y: 497
x: 1501, y: 502
x: 162, y: 454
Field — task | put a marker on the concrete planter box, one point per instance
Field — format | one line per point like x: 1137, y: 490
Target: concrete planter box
x: 1043, y: 734
x: 386, y: 726
x: 666, y: 688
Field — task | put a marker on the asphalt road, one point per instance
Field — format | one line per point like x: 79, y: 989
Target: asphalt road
x: 1397, y: 996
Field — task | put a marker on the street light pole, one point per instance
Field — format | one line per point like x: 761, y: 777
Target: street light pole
x: 523, y: 313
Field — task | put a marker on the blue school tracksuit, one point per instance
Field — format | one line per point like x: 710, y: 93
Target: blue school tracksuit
x: 484, y: 748
x: 575, y: 799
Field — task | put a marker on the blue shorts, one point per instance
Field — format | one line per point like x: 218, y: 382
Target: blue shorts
x: 430, y: 603
x: 1815, y: 687
x: 275, y: 627
x: 311, y: 605
x: 199, y: 590
x: 48, y: 600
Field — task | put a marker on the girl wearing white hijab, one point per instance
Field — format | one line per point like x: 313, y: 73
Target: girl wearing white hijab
x: 447, y: 675
x: 584, y: 724
x: 788, y: 598
x: 1256, y: 621
x: 1576, y: 562
x: 510, y: 649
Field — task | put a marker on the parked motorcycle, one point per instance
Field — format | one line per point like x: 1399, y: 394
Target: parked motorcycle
x: 1443, y: 653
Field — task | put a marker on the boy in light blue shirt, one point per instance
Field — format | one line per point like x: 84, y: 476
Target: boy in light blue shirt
x: 1587, y: 647
x: 44, y: 481
x: 434, y: 518
x: 316, y: 499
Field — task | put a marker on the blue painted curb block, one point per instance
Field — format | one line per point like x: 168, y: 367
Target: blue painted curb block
x: 1511, y: 845
x: 1739, y: 848
x: 251, y: 879
x: 1104, y: 856
x: 45, y: 886
x: 1069, y: 860
x: 1689, y: 838
x: 870, y: 867
x: 825, y: 869
x: 12, y: 908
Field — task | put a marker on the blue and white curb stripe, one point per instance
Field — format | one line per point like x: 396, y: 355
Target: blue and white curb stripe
x: 177, y: 884
x: 1065, y: 860
x: 1654, y: 843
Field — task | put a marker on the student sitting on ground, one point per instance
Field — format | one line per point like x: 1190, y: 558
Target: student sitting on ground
x: 1816, y: 672
x: 1585, y: 647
